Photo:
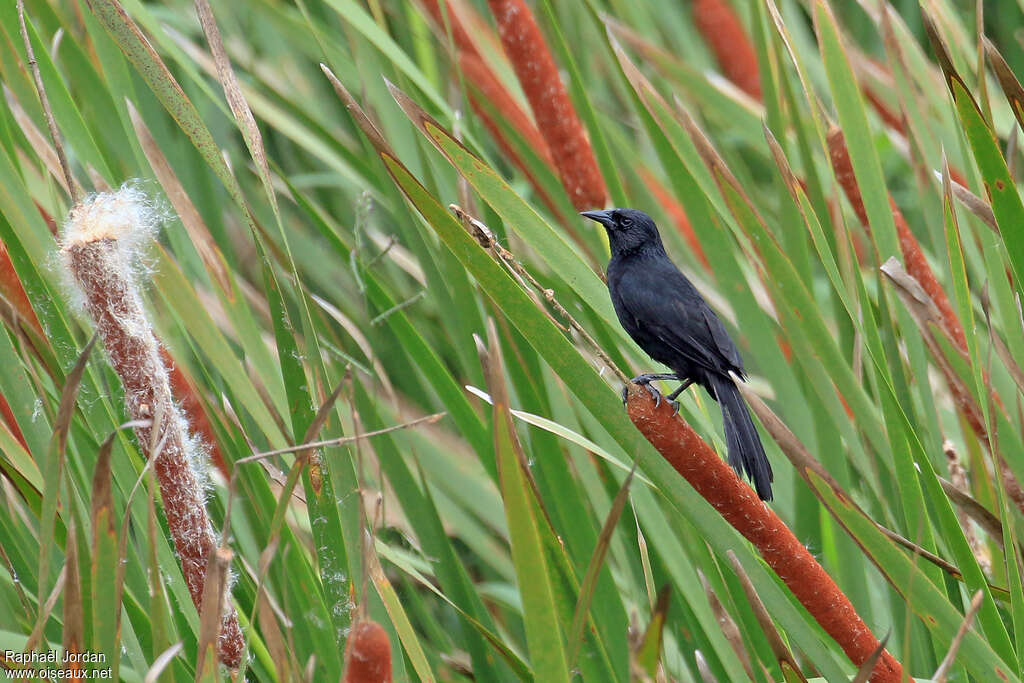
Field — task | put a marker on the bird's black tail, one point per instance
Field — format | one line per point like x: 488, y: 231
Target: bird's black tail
x: 746, y: 454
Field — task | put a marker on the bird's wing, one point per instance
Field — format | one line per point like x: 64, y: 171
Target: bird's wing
x: 726, y: 348
x: 664, y: 302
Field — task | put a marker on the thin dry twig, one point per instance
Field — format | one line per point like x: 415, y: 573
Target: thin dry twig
x: 485, y: 238
x: 728, y: 625
x: 51, y: 123
x: 341, y: 440
x: 958, y: 478
x: 36, y: 636
x: 954, y: 646
x: 400, y: 306
x: 764, y: 619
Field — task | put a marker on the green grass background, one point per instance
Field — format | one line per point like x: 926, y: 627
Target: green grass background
x: 333, y: 260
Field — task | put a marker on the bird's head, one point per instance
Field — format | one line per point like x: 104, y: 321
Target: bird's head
x: 628, y: 230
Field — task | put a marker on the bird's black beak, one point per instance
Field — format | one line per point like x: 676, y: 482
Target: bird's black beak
x: 602, y: 217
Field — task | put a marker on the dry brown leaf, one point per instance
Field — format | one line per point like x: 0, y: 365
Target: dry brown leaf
x: 233, y: 93
x: 778, y: 646
x: 211, y: 615
x: 728, y: 625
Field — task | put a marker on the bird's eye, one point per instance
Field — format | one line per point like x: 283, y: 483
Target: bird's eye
x: 626, y: 222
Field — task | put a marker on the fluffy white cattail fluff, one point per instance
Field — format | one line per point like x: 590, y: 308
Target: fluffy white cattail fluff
x: 103, y: 242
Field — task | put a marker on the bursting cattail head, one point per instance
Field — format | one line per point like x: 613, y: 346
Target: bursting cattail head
x: 126, y: 215
x: 104, y: 240
x: 126, y: 220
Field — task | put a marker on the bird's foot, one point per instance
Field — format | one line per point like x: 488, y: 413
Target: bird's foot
x: 645, y: 381
x: 682, y: 387
x: 655, y: 394
x: 649, y: 377
x: 675, y: 407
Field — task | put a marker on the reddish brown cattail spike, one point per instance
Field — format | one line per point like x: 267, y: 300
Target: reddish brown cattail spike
x: 916, y: 263
x: 491, y: 90
x: 843, y: 169
x: 368, y: 654
x: 12, y: 290
x: 12, y: 424
x: 917, y: 266
x: 485, y: 87
x: 677, y: 212
x: 888, y: 116
x: 183, y: 390
x: 553, y: 110
x: 100, y: 248
x: 510, y: 152
x: 487, y: 96
x: 459, y: 34
x: 738, y: 504
x: 725, y: 36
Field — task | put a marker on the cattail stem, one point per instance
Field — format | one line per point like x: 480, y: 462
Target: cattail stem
x: 100, y: 248
x: 13, y: 290
x: 490, y: 98
x: 556, y: 117
x: 739, y: 505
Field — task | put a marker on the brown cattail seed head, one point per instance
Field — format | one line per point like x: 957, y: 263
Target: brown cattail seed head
x: 554, y: 112
x: 368, y: 654
x: 102, y: 245
x: 717, y: 483
x: 725, y: 35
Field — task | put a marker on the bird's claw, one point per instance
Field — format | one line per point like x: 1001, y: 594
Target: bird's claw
x: 644, y: 382
x: 655, y: 394
x: 675, y: 407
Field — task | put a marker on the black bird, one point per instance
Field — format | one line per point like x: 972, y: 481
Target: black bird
x: 665, y: 314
